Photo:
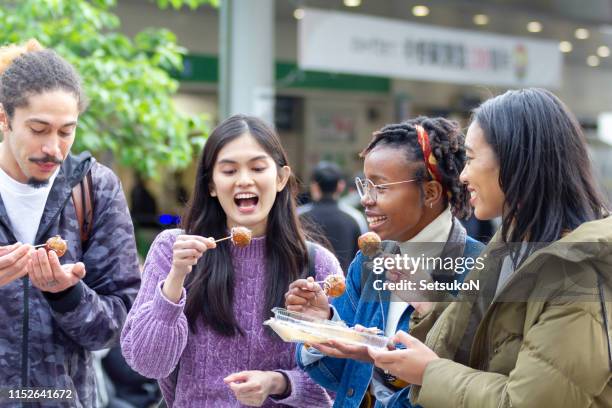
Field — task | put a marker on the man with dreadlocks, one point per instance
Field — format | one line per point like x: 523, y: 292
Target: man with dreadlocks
x: 54, y: 313
x: 412, y: 196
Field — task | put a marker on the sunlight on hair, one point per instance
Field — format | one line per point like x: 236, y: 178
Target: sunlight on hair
x: 10, y: 52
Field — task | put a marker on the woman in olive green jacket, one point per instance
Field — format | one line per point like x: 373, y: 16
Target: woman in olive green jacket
x: 537, y: 332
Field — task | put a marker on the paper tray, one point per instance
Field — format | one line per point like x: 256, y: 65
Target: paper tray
x: 299, y: 328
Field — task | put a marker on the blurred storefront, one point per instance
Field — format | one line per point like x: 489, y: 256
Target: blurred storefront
x: 342, y: 72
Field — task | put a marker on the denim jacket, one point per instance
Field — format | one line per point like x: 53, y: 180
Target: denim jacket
x: 362, y: 304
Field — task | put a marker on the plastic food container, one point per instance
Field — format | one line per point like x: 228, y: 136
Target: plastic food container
x: 299, y: 328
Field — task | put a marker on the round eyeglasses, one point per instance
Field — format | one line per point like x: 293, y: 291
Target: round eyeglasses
x: 367, y: 188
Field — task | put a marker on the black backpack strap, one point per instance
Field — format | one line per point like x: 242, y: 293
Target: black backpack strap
x: 312, y: 249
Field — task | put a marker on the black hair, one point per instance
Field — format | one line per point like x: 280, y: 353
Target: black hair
x: 447, y: 145
x: 211, y: 283
x: 31, y: 70
x: 327, y: 175
x: 544, y: 168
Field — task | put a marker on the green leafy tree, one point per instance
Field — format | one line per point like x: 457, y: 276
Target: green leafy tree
x: 131, y: 112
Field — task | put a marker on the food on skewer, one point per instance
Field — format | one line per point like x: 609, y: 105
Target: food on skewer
x: 56, y: 244
x: 369, y: 243
x: 334, y: 285
x: 241, y: 236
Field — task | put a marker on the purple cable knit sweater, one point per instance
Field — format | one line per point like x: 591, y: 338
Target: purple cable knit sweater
x: 156, y: 337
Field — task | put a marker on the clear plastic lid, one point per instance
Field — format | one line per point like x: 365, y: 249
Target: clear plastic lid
x: 299, y: 328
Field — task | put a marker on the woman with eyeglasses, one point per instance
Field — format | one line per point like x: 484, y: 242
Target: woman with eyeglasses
x: 538, y: 333
x: 412, y: 196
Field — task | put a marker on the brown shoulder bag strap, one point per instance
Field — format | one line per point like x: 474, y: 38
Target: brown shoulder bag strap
x: 82, y: 197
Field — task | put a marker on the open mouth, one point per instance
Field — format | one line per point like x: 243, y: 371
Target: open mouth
x: 246, y: 202
x: 473, y: 196
x: 376, y: 221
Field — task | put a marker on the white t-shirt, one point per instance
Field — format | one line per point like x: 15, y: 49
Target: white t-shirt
x: 24, y: 205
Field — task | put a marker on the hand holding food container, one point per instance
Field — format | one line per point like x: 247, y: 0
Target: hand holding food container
x: 333, y: 338
x: 342, y: 349
x: 306, y: 319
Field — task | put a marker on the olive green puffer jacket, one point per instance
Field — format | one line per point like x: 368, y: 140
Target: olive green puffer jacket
x: 541, y: 341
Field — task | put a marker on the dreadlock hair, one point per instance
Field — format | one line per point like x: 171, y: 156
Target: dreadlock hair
x: 29, y: 69
x: 447, y: 146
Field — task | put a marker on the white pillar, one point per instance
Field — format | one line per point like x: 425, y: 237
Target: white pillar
x: 246, y: 51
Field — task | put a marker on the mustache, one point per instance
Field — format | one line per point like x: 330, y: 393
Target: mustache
x: 46, y: 159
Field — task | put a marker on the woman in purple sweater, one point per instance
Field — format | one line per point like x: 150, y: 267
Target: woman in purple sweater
x: 200, y: 331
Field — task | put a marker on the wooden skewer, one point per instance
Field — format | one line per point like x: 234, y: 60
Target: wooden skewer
x: 217, y: 240
x: 321, y: 281
x: 239, y: 241
x: 222, y: 239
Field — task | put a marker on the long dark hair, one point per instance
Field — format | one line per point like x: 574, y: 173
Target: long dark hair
x: 448, y: 146
x: 211, y: 283
x: 544, y: 168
